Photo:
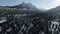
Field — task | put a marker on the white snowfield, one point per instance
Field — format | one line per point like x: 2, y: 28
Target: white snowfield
x: 2, y: 21
x: 55, y: 22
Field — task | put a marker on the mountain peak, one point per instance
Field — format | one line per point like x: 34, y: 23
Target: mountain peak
x: 25, y: 6
x: 23, y: 3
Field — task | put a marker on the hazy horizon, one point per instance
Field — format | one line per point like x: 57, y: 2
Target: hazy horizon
x: 45, y: 4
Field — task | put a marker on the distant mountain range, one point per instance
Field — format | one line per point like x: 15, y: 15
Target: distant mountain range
x: 29, y: 7
x: 23, y: 8
x: 54, y: 11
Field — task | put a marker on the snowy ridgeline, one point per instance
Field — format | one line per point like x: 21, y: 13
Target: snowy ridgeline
x: 22, y: 6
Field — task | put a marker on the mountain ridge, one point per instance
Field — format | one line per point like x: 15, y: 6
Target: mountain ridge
x: 23, y: 6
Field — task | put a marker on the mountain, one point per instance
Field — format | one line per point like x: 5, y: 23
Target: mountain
x: 27, y: 8
x: 54, y: 11
x: 24, y: 6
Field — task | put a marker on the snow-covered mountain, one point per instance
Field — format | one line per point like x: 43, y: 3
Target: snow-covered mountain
x: 24, y: 6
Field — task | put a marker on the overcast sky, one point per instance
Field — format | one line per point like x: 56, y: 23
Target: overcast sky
x: 46, y: 4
